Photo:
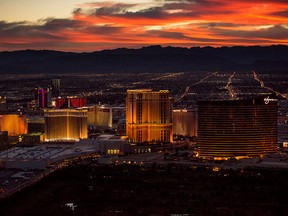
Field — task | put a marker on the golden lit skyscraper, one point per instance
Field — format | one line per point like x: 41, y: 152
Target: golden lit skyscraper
x: 149, y: 116
x: 65, y: 124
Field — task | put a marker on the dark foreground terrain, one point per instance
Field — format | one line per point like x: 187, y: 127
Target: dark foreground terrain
x: 138, y: 190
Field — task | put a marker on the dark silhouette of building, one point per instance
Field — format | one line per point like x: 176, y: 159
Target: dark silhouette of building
x: 55, y: 84
x: 3, y: 137
x: 237, y: 128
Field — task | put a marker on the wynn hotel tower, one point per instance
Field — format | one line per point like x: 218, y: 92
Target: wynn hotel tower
x: 237, y: 128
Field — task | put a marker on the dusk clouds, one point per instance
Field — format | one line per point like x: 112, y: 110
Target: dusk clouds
x: 112, y: 24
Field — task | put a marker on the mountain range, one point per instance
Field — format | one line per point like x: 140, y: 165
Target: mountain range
x: 147, y: 59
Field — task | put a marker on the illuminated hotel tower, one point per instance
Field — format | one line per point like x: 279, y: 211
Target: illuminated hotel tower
x: 65, y: 124
x: 237, y: 128
x: 149, y: 116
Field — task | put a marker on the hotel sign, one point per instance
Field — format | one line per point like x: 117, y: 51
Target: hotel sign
x: 267, y: 100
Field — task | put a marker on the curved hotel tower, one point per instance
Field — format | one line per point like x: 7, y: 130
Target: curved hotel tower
x: 65, y: 124
x: 234, y: 128
x: 149, y: 116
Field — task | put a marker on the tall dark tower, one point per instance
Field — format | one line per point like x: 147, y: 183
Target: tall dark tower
x: 237, y: 128
x: 55, y: 87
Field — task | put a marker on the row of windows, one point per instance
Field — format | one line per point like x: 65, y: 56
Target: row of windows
x: 113, y: 151
x: 138, y: 151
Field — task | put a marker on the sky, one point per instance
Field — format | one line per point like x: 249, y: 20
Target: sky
x: 83, y: 25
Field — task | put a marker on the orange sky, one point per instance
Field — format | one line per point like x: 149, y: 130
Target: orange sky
x: 112, y: 24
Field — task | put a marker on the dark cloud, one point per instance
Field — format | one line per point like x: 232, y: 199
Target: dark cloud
x: 172, y: 35
x: 115, y: 9
x: 199, y: 2
x: 52, y: 30
x: 178, y: 35
x: 217, y: 24
x: 77, y: 11
x: 283, y: 13
x: 121, y: 11
x: 48, y: 30
x: 186, y: 8
x: 150, y: 13
x: 103, y: 30
x: 6, y: 26
x: 275, y: 32
x: 53, y: 24
x: 96, y: 10
x: 25, y: 30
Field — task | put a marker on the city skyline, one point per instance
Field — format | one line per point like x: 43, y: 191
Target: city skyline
x: 80, y: 25
x: 70, y: 160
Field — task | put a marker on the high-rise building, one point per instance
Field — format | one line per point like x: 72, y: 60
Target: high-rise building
x: 43, y: 97
x: 104, y: 115
x: 149, y: 116
x: 237, y: 128
x: 65, y: 124
x: 185, y: 122
x: 100, y: 115
x: 14, y: 124
x: 55, y: 87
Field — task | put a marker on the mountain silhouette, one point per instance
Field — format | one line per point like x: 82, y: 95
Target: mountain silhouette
x: 147, y: 59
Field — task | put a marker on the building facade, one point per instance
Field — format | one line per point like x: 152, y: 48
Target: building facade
x: 13, y: 123
x: 185, y: 122
x: 55, y: 83
x: 43, y: 97
x: 67, y: 102
x: 237, y: 128
x: 100, y: 115
x: 149, y: 116
x: 65, y: 124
